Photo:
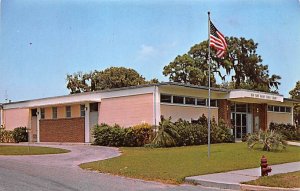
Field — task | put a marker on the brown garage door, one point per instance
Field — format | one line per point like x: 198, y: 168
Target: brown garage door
x: 62, y: 130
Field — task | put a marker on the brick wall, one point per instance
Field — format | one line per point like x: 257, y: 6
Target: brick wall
x: 224, y: 110
x: 260, y: 110
x: 62, y: 130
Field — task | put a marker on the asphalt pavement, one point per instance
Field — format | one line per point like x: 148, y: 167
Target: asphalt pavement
x: 61, y: 172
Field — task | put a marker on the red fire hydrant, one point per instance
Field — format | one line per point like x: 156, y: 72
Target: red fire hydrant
x: 265, y: 169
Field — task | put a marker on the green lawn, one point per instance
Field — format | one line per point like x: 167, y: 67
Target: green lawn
x: 32, y: 150
x: 172, y: 165
x: 288, y: 180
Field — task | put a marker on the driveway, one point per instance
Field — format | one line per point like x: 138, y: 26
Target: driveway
x: 61, y: 172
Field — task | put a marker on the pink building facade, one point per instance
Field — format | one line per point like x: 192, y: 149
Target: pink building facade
x: 71, y: 118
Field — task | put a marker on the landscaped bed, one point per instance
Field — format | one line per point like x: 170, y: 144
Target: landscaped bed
x: 287, y: 180
x: 29, y: 150
x: 172, y: 165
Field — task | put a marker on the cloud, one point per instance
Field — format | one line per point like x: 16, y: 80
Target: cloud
x: 146, y: 51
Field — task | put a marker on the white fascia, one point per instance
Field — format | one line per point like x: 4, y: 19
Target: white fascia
x: 254, y: 95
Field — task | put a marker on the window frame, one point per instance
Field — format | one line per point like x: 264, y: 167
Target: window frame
x: 82, y: 110
x: 42, y: 110
x: 54, y: 111
x: 68, y: 112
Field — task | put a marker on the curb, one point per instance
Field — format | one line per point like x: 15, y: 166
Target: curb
x: 265, y: 188
x: 221, y: 185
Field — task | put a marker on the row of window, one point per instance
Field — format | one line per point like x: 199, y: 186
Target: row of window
x: 166, y: 98
x: 68, y: 111
x: 276, y: 108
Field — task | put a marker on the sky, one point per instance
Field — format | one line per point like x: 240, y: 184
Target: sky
x: 41, y: 41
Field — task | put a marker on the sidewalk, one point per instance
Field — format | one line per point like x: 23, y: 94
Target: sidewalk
x: 231, y: 180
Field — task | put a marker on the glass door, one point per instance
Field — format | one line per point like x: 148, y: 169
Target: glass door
x: 240, y: 125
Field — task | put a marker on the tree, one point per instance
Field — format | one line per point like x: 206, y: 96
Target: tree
x: 241, y: 62
x: 113, y: 77
x: 295, y: 94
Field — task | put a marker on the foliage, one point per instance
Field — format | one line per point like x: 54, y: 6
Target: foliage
x: 270, y: 140
x: 241, y: 62
x: 166, y: 135
x: 173, y: 164
x: 6, y: 136
x: 169, y: 134
x: 295, y: 94
x: 20, y: 134
x: 135, y: 136
x: 290, y: 132
x: 113, y: 77
x: 186, y: 133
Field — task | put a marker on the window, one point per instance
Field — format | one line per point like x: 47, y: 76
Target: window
x: 201, y: 101
x: 54, y: 112
x: 42, y: 113
x: 165, y: 98
x: 82, y: 110
x: 93, y: 107
x: 33, y: 112
x: 178, y: 99
x: 213, y: 103
x: 270, y: 107
x: 189, y: 100
x: 68, y: 111
x: 282, y: 109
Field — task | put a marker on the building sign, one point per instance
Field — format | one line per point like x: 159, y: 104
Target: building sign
x: 264, y: 96
x: 255, y: 95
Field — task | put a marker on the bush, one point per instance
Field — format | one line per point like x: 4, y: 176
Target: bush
x: 291, y: 132
x: 135, y: 136
x: 194, y: 133
x: 270, y: 140
x: 20, y: 135
x: 6, y: 136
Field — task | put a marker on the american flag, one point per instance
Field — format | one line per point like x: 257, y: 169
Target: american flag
x: 217, y: 40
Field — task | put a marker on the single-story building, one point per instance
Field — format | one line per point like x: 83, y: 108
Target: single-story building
x: 71, y: 118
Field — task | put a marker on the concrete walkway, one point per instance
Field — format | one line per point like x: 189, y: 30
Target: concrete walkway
x: 293, y: 143
x: 232, y: 179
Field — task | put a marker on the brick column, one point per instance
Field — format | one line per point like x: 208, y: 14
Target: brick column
x: 260, y: 110
x: 224, y: 110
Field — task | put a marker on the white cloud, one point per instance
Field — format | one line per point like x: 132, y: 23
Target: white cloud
x: 146, y: 51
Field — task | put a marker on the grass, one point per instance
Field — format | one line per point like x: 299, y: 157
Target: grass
x: 172, y: 165
x: 287, y: 180
x: 31, y: 150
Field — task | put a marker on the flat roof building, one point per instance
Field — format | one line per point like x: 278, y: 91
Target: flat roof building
x: 71, y: 118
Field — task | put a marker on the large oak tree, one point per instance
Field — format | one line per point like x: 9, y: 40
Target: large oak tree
x: 241, y: 63
x: 113, y: 77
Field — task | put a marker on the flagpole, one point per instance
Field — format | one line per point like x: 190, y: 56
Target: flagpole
x: 208, y: 61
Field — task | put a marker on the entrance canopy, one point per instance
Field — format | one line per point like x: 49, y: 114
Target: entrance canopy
x: 250, y: 96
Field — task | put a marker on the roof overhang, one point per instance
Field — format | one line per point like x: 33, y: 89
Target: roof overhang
x: 254, y: 96
x: 61, y: 100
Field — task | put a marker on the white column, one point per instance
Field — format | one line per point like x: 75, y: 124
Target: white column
x: 157, y: 114
x: 292, y: 117
x: 38, y: 117
x: 87, y: 123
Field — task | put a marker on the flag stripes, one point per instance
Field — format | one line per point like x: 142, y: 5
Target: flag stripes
x: 217, y: 40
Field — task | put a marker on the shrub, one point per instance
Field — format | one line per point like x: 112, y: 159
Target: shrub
x: 138, y: 135
x: 6, y: 136
x: 185, y: 133
x: 291, y: 132
x: 166, y: 135
x: 270, y: 140
x: 20, y: 135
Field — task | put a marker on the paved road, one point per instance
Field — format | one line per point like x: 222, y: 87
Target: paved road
x: 60, y: 172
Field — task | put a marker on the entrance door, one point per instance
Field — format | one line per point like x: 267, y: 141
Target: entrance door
x: 240, y: 125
